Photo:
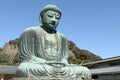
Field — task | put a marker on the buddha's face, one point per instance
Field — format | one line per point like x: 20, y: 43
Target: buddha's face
x: 51, y: 19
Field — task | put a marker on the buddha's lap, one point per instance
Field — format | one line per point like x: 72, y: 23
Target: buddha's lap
x: 44, y: 67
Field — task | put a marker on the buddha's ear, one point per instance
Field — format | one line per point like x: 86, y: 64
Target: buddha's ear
x: 40, y: 20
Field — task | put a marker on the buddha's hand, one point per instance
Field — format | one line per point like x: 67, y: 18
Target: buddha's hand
x: 65, y: 62
x: 55, y: 64
x: 50, y: 62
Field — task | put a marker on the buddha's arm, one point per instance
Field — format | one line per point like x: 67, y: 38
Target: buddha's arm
x: 37, y: 60
x: 28, y: 47
x: 64, y: 50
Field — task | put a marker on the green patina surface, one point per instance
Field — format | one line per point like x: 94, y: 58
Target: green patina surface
x: 44, y: 50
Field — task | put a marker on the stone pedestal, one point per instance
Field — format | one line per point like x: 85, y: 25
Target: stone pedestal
x: 46, y: 79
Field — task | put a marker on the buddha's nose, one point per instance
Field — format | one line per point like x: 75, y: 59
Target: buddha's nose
x: 53, y: 22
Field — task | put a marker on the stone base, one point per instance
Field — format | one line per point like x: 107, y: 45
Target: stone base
x: 46, y: 79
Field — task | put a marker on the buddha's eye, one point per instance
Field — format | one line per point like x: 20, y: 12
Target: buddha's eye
x: 50, y: 15
x: 57, y: 17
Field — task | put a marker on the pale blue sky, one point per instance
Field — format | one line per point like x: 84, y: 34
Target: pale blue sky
x: 92, y: 25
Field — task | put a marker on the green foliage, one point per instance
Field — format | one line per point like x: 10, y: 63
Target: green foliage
x: 14, y: 42
x: 16, y: 59
x: 3, y: 58
x: 81, y: 56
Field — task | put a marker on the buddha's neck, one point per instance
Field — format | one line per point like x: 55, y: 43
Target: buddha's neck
x: 51, y: 31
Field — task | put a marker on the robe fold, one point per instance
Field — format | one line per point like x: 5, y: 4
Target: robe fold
x: 40, y: 56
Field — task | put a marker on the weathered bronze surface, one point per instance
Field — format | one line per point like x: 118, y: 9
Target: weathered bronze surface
x: 44, y: 50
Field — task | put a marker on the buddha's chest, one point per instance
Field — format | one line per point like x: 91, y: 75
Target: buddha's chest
x: 51, y: 38
x: 51, y: 42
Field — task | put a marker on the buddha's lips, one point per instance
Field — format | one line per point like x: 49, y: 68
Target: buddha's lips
x: 53, y: 23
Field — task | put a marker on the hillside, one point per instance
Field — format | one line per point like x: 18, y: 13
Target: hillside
x: 9, y: 54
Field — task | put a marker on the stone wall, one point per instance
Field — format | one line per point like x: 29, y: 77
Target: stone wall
x: 46, y: 79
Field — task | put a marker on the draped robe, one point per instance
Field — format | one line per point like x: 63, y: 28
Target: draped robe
x: 41, y: 57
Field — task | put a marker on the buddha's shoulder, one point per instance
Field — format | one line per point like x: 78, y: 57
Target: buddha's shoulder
x: 36, y: 29
x: 31, y: 29
x: 61, y: 34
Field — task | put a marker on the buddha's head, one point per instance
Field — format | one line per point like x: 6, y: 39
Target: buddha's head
x: 50, y: 16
